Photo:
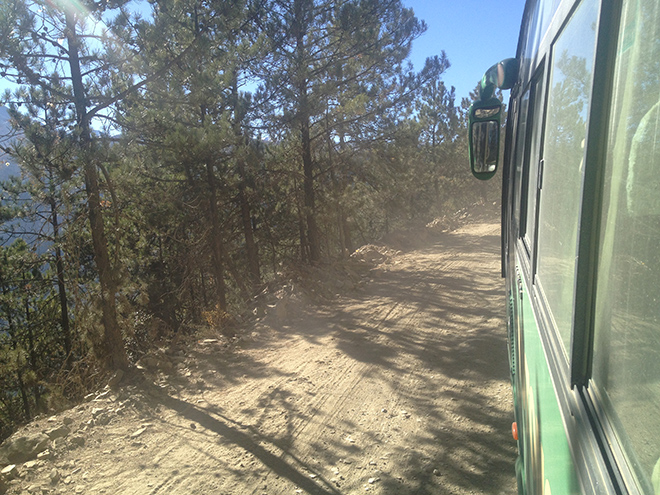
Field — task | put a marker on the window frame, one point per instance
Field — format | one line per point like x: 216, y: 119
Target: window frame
x: 538, y: 89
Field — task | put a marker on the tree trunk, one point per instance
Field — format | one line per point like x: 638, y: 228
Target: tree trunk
x: 345, y: 232
x: 300, y: 30
x: 250, y: 246
x: 19, y: 372
x: 202, y: 282
x: 24, y: 396
x: 111, y: 349
x: 251, y: 251
x: 304, y: 246
x: 308, y: 187
x: 61, y: 288
x: 32, y: 351
x: 215, y: 242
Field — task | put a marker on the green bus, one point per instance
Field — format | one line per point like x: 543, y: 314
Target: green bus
x: 580, y: 241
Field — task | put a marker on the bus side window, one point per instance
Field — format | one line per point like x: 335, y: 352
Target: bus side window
x: 626, y: 357
x: 569, y: 97
x: 532, y: 163
x: 521, y: 146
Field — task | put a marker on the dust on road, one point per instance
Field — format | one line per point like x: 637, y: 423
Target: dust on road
x: 399, y: 387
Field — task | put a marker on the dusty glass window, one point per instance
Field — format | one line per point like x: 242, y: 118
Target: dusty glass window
x: 627, y: 345
x: 565, y: 135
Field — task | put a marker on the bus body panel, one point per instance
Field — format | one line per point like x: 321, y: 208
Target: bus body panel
x: 546, y: 453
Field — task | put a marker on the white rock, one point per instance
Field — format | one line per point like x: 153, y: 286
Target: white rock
x: 54, y: 476
x: 59, y: 432
x: 44, y: 455
x: 97, y: 411
x: 9, y: 472
x: 138, y: 432
x: 23, y: 448
x: 102, y: 395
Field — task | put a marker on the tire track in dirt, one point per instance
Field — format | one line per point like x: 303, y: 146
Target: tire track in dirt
x: 374, y: 396
x: 409, y: 319
x: 400, y: 388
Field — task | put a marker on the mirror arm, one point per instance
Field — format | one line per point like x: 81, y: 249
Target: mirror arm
x: 502, y: 75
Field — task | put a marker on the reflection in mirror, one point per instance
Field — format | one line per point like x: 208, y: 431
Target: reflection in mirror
x: 485, y: 146
x: 485, y: 113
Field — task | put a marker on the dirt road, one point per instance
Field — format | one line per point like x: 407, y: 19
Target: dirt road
x: 398, y: 387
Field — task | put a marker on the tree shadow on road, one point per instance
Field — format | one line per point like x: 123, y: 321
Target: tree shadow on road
x: 245, y: 437
x: 431, y: 334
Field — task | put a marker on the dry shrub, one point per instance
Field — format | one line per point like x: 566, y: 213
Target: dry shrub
x: 219, y: 319
x: 70, y: 385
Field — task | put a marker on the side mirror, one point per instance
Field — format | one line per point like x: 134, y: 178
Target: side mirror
x: 485, y: 118
x: 484, y: 137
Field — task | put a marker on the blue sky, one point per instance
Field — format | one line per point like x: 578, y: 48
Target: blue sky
x: 474, y: 34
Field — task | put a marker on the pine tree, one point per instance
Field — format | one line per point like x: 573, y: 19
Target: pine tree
x: 44, y: 196
x: 69, y: 51
x: 192, y: 128
x: 335, y: 80
x: 24, y: 335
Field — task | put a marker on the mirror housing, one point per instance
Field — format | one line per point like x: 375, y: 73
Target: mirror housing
x: 484, y: 137
x: 485, y: 118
